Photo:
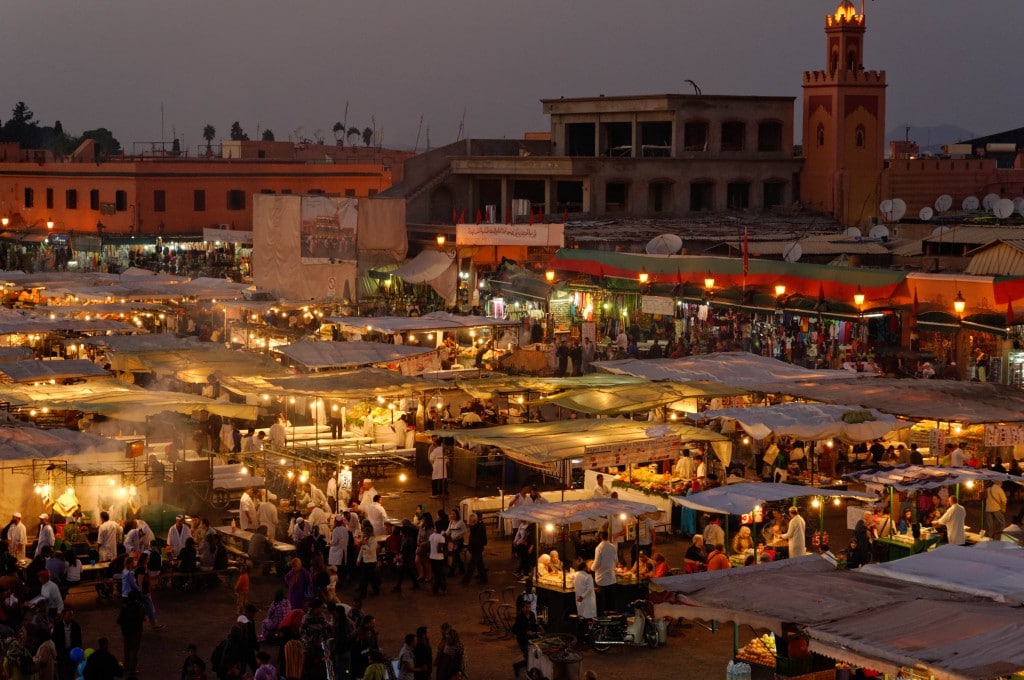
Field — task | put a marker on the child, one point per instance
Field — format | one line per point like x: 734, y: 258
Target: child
x: 265, y: 670
x: 528, y: 596
x: 242, y: 588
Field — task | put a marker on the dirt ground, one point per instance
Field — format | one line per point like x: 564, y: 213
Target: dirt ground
x: 204, y: 617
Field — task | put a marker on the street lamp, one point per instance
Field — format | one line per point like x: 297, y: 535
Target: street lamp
x: 858, y: 299
x: 549, y: 276
x: 959, y: 305
x: 643, y: 277
x: 780, y: 289
x: 709, y: 282
x: 440, y: 240
x: 5, y: 220
x: 49, y: 224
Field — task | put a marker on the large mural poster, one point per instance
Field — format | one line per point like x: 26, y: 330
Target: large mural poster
x: 328, y: 230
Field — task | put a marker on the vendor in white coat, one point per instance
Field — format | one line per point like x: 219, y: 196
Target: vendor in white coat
x: 953, y: 519
x: 796, y: 534
x: 586, y: 597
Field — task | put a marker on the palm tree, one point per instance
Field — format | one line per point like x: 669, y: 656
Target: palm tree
x: 353, y: 132
x: 367, y: 136
x: 209, y: 132
x: 339, y: 133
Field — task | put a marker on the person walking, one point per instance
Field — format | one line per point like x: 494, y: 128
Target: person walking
x: 995, y: 510
x: 796, y: 534
x: 437, y: 557
x: 438, y: 469
x: 477, y: 543
x: 366, y: 562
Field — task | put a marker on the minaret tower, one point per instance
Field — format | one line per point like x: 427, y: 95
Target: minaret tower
x: 844, y: 125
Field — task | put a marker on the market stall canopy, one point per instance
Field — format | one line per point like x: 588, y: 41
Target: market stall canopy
x: 941, y: 400
x: 544, y: 444
x: 21, y: 442
x: 156, y: 342
x: 435, y: 321
x: 485, y: 388
x: 810, y: 422
x: 116, y: 399
x: 572, y: 512
x: 739, y: 499
x: 318, y: 356
x: 914, y: 477
x: 805, y: 590
x: 14, y: 322
x: 15, y: 354
x: 32, y: 371
x: 736, y: 369
x: 357, y: 385
x: 632, y: 398
x: 991, y: 570
x: 105, y: 308
x: 940, y: 640
x: 436, y: 268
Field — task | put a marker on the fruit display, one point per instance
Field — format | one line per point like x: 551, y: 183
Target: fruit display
x: 760, y: 650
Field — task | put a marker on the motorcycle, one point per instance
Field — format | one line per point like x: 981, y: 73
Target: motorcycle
x: 619, y: 629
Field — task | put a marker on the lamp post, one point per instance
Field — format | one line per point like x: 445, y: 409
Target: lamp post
x: 549, y: 276
x: 959, y: 305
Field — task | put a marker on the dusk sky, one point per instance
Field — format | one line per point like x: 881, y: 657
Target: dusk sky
x: 290, y: 65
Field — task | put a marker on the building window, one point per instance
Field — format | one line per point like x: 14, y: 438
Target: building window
x: 821, y: 135
x: 30, y: 197
x: 316, y: 192
x: 71, y: 199
x: 159, y: 200
x: 199, y: 200
x: 659, y: 197
x: 350, y: 193
x: 579, y: 139
x: 120, y: 200
x: 94, y: 199
x: 733, y: 136
x: 236, y: 199
x: 774, y: 193
x: 859, y: 137
x: 695, y: 137
x: 616, y: 197
x: 737, y: 195
x: 769, y: 136
x: 49, y: 198
x: 702, y: 196
x: 286, y: 191
x: 569, y: 196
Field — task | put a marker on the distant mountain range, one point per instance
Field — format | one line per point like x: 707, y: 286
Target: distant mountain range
x: 929, y: 139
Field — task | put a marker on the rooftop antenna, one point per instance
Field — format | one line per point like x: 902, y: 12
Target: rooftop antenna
x: 462, y: 125
x: 344, y: 120
x: 696, y: 89
x: 428, y: 138
x: 418, y: 131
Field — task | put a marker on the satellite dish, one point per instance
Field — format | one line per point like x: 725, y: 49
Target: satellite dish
x: 989, y: 201
x: 885, y: 207
x: 852, y: 232
x: 939, y: 231
x: 666, y: 244
x: 792, y: 252
x: 879, y: 231
x: 1018, y: 203
x: 926, y: 214
x: 1002, y: 208
x: 899, y: 209
x: 943, y: 203
x: 970, y: 203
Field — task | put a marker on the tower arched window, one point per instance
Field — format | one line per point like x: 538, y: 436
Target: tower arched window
x: 835, y: 63
x: 851, y: 61
x: 859, y: 137
x: 821, y: 135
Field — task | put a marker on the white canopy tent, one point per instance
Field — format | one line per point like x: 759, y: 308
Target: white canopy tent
x: 915, y: 477
x: 573, y: 512
x: 318, y: 356
x: 739, y: 499
x: 434, y: 321
x: 810, y: 422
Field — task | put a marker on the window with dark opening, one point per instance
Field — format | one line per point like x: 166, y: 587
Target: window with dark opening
x: 695, y: 136
x: 120, y: 200
x: 615, y: 197
x: 569, y: 196
x: 94, y: 199
x: 71, y: 199
x: 769, y: 136
x: 30, y: 197
x: 774, y: 193
x: 49, y: 198
x: 579, y: 139
x: 235, y: 199
x: 733, y: 134
x: 660, y: 197
x: 199, y: 200
x: 737, y: 195
x: 618, y: 139
x: 656, y: 139
x: 702, y: 196
x: 159, y: 200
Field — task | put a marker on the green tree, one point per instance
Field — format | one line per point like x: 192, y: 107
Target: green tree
x: 353, y: 132
x: 106, y: 144
x: 367, y: 136
x: 209, y: 133
x: 22, y: 114
x: 268, y: 135
x: 237, y: 133
x: 339, y: 133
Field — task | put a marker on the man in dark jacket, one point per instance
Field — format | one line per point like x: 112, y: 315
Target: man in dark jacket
x: 67, y: 635
x: 477, y: 543
x: 102, y: 665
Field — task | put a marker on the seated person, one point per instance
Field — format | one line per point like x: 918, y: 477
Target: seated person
x: 544, y: 566
x: 259, y: 546
x: 556, y: 565
x: 742, y: 541
x: 187, y: 557
x: 661, y: 567
x: 646, y: 566
x: 695, y: 559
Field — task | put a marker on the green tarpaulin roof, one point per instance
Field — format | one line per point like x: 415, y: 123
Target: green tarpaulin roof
x: 632, y: 398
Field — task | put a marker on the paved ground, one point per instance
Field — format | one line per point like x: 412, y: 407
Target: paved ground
x: 205, y: 617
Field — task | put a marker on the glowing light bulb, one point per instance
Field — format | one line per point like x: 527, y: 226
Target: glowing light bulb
x: 402, y: 477
x: 549, y: 527
x: 837, y: 501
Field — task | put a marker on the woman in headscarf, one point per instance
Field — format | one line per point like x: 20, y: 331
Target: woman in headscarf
x: 451, y: 658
